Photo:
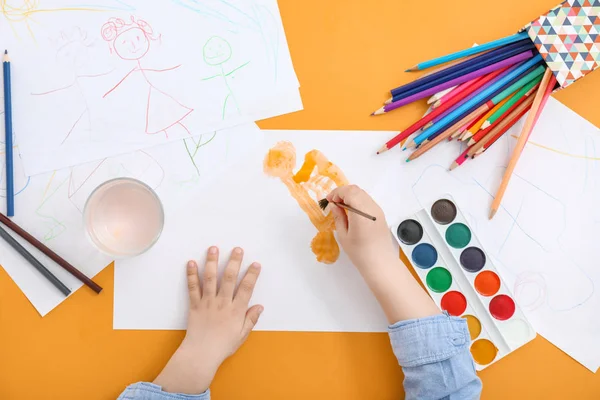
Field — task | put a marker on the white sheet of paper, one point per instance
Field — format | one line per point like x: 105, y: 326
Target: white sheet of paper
x: 544, y: 240
x: 109, y: 77
x: 49, y: 206
x: 247, y: 208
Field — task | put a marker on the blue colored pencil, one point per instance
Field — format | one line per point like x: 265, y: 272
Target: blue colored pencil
x: 10, y: 185
x: 469, y: 51
x: 457, y: 113
x: 461, y: 69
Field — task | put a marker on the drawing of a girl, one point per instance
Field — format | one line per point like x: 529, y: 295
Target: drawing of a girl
x: 131, y: 41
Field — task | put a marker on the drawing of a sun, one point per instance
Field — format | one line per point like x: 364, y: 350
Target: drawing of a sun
x: 18, y: 10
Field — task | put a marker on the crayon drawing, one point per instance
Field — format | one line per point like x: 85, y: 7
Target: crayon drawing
x: 313, y: 181
x: 216, y: 52
x: 74, y: 54
x: 192, y: 147
x: 131, y: 41
x: 25, y: 13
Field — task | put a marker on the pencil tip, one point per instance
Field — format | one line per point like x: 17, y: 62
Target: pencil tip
x: 408, y: 160
x: 492, y: 213
x: 454, y: 165
x: 373, y: 113
x: 5, y: 51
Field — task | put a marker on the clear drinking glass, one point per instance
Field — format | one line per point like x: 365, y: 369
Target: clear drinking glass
x: 123, y: 217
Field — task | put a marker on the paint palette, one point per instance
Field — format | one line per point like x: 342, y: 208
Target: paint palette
x: 462, y: 280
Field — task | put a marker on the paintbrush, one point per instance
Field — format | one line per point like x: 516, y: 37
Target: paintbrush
x: 324, y: 203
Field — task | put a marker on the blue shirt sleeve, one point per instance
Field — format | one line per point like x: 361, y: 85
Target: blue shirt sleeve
x: 435, y: 358
x: 150, y: 391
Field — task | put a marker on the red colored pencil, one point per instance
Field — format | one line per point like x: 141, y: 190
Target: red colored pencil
x: 438, y: 111
x: 461, y: 88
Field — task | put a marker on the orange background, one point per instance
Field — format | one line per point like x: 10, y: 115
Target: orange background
x: 347, y: 54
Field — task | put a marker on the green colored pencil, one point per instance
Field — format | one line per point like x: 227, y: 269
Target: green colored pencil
x: 511, y: 102
x: 539, y: 71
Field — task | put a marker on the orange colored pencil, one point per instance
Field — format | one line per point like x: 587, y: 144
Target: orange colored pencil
x: 481, y: 120
x: 542, y: 93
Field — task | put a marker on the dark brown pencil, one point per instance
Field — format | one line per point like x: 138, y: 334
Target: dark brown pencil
x: 52, y: 255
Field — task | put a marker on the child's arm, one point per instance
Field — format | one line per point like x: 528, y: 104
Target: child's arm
x: 431, y: 347
x: 219, y: 322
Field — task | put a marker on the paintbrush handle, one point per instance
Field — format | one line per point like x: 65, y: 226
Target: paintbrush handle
x: 354, y: 210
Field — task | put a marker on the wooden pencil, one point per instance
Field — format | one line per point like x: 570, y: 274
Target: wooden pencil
x: 460, y: 160
x: 49, y: 253
x: 8, y: 136
x: 449, y: 118
x: 463, y: 68
x: 501, y: 132
x: 527, y: 55
x: 481, y: 120
x: 438, y: 112
x: 432, y: 142
x: 34, y: 262
x: 467, y: 52
x: 548, y: 79
x: 492, y: 130
x: 525, y: 91
x: 461, y: 88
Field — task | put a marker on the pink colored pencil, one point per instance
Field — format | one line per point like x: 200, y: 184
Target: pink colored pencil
x: 460, y: 159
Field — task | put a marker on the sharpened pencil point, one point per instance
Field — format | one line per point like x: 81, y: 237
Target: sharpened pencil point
x: 5, y: 51
x: 389, y: 101
x: 471, y: 142
x: 485, y: 125
x: 408, y: 160
x: 383, y: 149
x: 379, y: 112
x: 454, y: 165
x: 492, y: 213
x: 413, y: 68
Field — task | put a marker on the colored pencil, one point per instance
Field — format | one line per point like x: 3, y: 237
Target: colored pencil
x: 475, y: 127
x: 519, y: 96
x: 49, y: 253
x: 447, y: 65
x: 531, y: 75
x: 425, y: 147
x: 458, y: 71
x: 447, y: 120
x: 492, y: 130
x: 462, y: 87
x: 8, y: 134
x: 548, y: 79
x: 462, y: 68
x: 467, y: 52
x: 441, y: 94
x: 462, y: 130
x: 460, y: 160
x: 34, y: 262
x: 488, y: 143
x: 440, y: 111
x: 464, y: 78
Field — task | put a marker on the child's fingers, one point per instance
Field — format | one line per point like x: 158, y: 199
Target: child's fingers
x: 252, y: 316
x: 230, y: 275
x: 193, y: 282
x: 209, y: 280
x: 340, y: 217
x: 246, y: 287
x: 350, y: 195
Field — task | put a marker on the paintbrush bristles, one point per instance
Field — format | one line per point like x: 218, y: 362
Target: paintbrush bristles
x: 323, y: 204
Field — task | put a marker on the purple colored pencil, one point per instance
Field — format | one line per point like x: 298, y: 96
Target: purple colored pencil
x: 465, y: 78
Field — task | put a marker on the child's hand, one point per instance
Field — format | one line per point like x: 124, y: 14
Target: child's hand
x: 219, y: 322
x: 367, y: 243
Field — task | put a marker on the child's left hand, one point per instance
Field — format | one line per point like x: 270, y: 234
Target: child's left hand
x: 219, y: 322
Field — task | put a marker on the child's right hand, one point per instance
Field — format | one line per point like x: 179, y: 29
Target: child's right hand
x: 368, y: 243
x: 369, y: 246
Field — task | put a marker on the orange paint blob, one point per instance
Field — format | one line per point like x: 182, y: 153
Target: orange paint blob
x: 487, y: 283
x: 483, y: 351
x: 313, y: 182
x: 474, y: 326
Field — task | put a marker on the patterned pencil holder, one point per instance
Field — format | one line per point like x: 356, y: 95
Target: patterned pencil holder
x: 568, y: 38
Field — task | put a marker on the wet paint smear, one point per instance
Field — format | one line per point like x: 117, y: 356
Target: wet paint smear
x: 316, y: 175
x: 439, y: 279
x: 483, y: 351
x: 487, y: 283
x: 410, y: 232
x: 424, y: 256
x: 443, y: 211
x: 474, y: 326
x: 458, y: 235
x: 502, y: 307
x: 454, y: 302
x: 472, y: 259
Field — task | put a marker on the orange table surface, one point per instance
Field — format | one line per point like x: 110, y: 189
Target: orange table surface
x: 348, y: 54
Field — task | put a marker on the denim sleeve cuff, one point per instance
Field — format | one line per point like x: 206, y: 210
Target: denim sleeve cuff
x: 428, y: 340
x: 150, y: 391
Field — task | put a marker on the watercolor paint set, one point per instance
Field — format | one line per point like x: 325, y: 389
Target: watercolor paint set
x: 462, y: 280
